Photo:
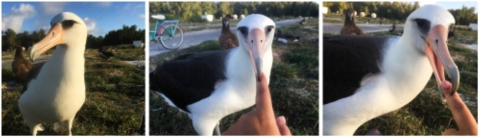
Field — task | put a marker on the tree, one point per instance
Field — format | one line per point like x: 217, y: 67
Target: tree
x: 192, y: 11
x: 126, y: 35
x: 365, y: 9
x: 25, y: 39
x: 465, y: 15
x: 9, y: 41
x: 223, y: 9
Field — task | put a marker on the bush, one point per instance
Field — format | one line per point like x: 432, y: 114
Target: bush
x: 197, y: 19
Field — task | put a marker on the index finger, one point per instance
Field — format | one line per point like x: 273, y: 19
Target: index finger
x: 461, y: 114
x: 263, y: 99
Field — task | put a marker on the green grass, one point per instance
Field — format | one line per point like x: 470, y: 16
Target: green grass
x: 426, y: 115
x: 466, y: 36
x: 115, y: 98
x: 294, y: 86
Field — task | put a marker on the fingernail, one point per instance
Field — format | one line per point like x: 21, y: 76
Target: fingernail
x: 445, y: 85
x: 282, y: 119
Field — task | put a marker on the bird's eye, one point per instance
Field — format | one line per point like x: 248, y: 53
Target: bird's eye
x: 422, y: 22
x: 269, y: 28
x: 67, y: 24
x: 243, y: 30
x: 423, y: 25
x: 451, y: 31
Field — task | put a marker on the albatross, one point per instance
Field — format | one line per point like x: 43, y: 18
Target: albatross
x: 56, y: 91
x: 366, y: 77
x: 211, y: 85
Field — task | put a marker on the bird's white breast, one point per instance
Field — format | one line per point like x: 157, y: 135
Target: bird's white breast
x: 404, y: 73
x: 58, y: 91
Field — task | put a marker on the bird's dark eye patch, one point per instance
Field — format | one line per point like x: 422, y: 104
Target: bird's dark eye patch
x: 269, y: 28
x: 243, y: 30
x: 451, y: 31
x: 67, y: 24
x: 423, y: 25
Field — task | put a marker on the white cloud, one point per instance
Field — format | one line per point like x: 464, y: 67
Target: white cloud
x: 141, y: 16
x: 14, y: 19
x: 52, y: 8
x: 47, y: 11
x: 90, y: 23
x: 91, y: 26
x: 133, y: 7
x: 46, y: 28
x: 127, y: 7
x: 104, y: 4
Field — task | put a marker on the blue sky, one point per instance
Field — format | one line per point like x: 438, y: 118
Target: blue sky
x: 100, y: 17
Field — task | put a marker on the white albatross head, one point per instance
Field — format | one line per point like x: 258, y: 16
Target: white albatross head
x: 429, y: 28
x: 66, y: 29
x: 255, y: 34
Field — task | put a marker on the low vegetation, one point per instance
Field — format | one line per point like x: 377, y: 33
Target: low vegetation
x: 115, y: 97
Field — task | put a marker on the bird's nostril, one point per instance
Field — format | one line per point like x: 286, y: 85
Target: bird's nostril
x: 252, y: 41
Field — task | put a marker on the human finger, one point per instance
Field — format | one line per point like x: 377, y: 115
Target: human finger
x: 282, y: 126
x: 263, y: 99
x: 461, y: 114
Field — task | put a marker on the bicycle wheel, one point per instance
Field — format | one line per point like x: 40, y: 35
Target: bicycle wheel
x: 171, y: 37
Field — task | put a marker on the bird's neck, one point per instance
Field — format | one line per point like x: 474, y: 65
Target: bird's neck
x: 242, y: 67
x: 349, y: 22
x: 19, y: 53
x: 404, y: 73
x: 226, y: 28
x: 70, y: 59
x: 408, y: 69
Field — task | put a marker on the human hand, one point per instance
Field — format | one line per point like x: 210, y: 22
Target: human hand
x: 463, y: 117
x: 261, y: 120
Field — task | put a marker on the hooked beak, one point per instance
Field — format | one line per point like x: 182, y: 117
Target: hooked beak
x: 436, y: 49
x: 350, y: 16
x: 256, y: 43
x: 225, y: 22
x: 53, y: 38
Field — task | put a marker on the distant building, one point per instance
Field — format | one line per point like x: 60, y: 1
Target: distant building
x: 159, y: 16
x: 138, y: 43
x: 474, y: 26
x: 207, y: 17
x: 325, y: 10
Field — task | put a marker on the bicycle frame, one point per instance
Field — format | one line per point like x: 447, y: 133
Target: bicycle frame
x: 161, y: 25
